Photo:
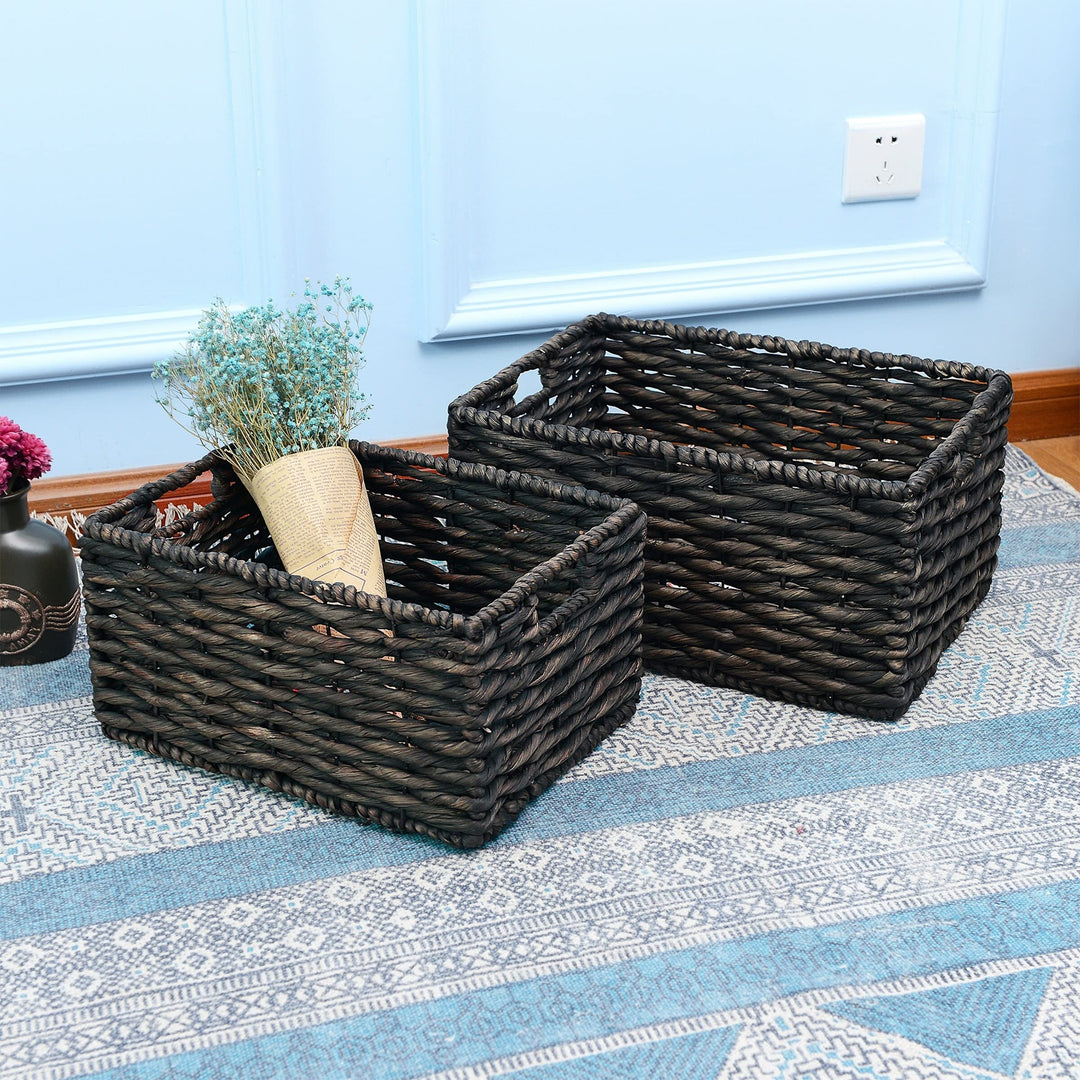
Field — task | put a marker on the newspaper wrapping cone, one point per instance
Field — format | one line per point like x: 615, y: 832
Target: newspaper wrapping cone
x: 316, y: 507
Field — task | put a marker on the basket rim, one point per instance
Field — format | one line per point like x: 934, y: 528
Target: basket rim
x: 469, y: 408
x: 620, y: 516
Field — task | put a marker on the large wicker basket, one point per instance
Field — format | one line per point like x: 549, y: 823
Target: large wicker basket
x: 821, y: 521
x: 509, y: 646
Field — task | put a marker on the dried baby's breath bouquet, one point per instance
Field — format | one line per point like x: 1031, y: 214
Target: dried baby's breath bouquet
x: 275, y: 393
x: 262, y: 383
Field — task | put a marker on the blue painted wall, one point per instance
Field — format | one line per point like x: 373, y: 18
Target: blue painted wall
x: 156, y: 156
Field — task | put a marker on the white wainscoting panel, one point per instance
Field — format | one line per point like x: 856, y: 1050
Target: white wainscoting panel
x: 484, y: 276
x: 230, y: 135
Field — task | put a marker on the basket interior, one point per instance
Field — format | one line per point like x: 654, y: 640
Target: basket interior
x: 447, y: 544
x: 879, y: 422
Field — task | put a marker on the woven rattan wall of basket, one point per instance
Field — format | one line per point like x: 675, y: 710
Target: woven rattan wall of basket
x: 821, y: 521
x: 509, y: 646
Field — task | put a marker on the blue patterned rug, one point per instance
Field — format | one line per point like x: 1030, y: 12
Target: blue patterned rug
x: 726, y: 888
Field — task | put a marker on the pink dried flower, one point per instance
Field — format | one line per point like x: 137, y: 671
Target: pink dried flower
x: 10, y: 433
x: 22, y: 455
x: 34, y: 457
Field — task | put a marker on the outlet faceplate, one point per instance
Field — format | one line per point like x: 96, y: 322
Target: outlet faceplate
x: 883, y: 157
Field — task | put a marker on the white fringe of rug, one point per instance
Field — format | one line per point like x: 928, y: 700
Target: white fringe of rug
x: 71, y: 523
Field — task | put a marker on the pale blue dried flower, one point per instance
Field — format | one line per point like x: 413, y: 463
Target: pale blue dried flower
x: 265, y: 382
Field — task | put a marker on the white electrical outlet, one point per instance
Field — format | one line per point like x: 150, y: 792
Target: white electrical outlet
x: 883, y: 158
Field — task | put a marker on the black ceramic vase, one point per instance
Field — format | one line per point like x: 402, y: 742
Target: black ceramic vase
x: 39, y: 586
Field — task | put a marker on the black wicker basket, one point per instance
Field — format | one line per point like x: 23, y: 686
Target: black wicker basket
x: 821, y: 521
x: 509, y: 646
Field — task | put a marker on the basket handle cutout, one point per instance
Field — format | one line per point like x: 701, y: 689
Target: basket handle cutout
x: 587, y: 591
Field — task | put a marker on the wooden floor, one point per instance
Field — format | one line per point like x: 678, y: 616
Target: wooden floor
x: 1061, y: 457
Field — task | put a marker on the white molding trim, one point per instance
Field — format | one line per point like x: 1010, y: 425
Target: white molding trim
x: 253, y: 31
x: 445, y: 216
x: 124, y: 344
x: 458, y: 307
x: 88, y: 347
x: 510, y: 307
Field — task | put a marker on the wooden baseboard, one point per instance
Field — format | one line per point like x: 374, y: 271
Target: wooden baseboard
x: 1046, y: 405
x: 86, y: 492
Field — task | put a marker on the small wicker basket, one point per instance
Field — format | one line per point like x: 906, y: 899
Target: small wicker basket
x: 821, y: 521
x: 509, y: 645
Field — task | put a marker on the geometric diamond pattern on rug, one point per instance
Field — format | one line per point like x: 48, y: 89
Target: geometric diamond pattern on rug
x: 985, y: 1023
x: 699, y: 1056
x: 151, y: 926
